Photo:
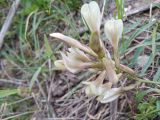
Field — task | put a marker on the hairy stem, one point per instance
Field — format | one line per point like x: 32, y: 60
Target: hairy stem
x: 116, y: 56
x: 113, y: 108
x: 114, y: 104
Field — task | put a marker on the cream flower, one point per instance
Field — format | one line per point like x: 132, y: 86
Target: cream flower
x: 113, y: 30
x: 73, y: 43
x: 94, y: 89
x: 103, y: 92
x: 113, y: 93
x: 74, y: 61
x: 110, y: 69
x: 60, y: 65
x: 77, y: 54
x: 92, y: 16
x: 109, y: 95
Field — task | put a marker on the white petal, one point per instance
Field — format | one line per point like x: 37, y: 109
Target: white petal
x: 69, y: 64
x: 78, y: 54
x: 86, y: 82
x: 91, y: 15
x: 93, y: 89
x: 119, y: 27
x: 108, y: 54
x: 59, y: 64
x: 109, y: 29
x: 100, y: 90
x: 67, y: 39
x: 96, y: 15
x: 110, y: 95
x: 74, y: 43
x: 113, y: 30
x: 90, y: 88
x: 88, y: 91
x: 73, y: 64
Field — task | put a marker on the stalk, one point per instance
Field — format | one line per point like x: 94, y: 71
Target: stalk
x: 114, y: 104
x: 116, y: 56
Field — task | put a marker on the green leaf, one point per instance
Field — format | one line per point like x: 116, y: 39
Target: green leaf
x: 135, y: 34
x: 120, y: 8
x: 151, y: 58
x: 147, y: 65
x: 136, y: 55
x: 28, y: 7
x: 145, y: 43
x: 8, y: 92
x: 48, y: 50
x: 158, y: 106
x: 140, y: 95
x: 131, y: 27
x: 157, y: 5
x: 157, y: 75
x: 35, y: 77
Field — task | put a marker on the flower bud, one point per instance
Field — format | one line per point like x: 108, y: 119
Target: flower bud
x: 91, y: 15
x: 113, y: 30
x: 96, y: 88
x: 74, y: 60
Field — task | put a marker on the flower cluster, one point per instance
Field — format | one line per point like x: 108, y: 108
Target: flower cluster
x: 96, y: 57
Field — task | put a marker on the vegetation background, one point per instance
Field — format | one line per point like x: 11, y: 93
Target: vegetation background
x: 30, y: 86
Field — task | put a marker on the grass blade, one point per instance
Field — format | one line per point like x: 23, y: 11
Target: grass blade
x: 135, y: 34
x: 48, y: 49
x: 151, y: 58
x: 5, y: 93
x: 137, y: 54
x: 157, y: 75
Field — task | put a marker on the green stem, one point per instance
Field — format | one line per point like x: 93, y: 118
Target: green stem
x: 114, y: 104
x: 134, y: 76
x: 116, y: 55
x: 144, y: 81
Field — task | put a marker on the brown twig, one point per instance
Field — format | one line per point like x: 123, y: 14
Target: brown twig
x: 141, y: 9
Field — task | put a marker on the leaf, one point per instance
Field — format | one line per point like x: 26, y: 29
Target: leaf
x: 158, y: 106
x: 151, y: 58
x: 135, y: 34
x: 28, y: 6
x: 146, y: 66
x: 157, y: 75
x: 8, y: 92
x: 145, y: 43
x: 48, y: 50
x: 35, y: 77
x: 157, y: 5
x: 137, y: 54
x: 131, y: 27
x: 140, y: 95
